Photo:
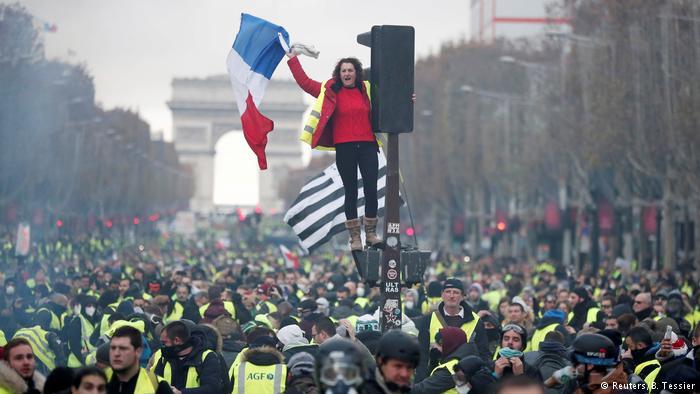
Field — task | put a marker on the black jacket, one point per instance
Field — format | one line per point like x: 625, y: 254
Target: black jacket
x: 528, y: 370
x: 190, y: 311
x: 208, y: 369
x: 441, y: 380
x: 423, y: 325
x: 114, y: 386
x: 581, y: 314
x: 547, y: 361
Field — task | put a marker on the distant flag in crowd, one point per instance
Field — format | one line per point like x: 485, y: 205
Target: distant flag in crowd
x: 255, y: 54
x: 291, y: 260
x: 317, y: 214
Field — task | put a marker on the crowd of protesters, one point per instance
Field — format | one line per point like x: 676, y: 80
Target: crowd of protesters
x: 90, y: 314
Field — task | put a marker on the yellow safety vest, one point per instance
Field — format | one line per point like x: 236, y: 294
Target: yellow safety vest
x: 362, y: 302
x: 258, y: 379
x: 492, y: 298
x: 591, y: 315
x: 538, y: 336
x: 307, y: 134
x: 86, y: 332
x: 429, y: 304
x: 271, y: 307
x: 56, y: 323
x: 228, y: 305
x: 139, y: 325
x: 176, y: 313
x: 3, y: 340
x: 651, y: 376
x: 104, y: 323
x: 436, y: 325
x: 450, y: 366
x: 40, y: 346
x: 154, y: 360
x: 146, y: 383
x: 192, y: 375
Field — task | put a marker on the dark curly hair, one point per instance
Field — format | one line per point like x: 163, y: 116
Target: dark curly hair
x: 355, y: 63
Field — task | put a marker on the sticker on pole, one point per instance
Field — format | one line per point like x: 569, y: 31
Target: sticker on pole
x: 392, y: 274
x: 393, y: 228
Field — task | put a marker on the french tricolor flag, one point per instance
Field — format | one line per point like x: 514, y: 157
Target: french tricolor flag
x: 255, y: 54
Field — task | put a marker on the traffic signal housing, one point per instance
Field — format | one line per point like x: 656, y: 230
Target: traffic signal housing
x: 391, y: 77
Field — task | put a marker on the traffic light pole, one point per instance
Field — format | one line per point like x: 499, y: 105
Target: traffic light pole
x: 391, y: 79
x: 390, y: 283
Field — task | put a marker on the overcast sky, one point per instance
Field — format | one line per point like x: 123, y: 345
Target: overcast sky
x: 134, y: 48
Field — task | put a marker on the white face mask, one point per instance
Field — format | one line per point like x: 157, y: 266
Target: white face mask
x: 10, y: 290
x: 90, y: 311
x: 76, y: 310
x: 360, y: 291
x: 409, y: 304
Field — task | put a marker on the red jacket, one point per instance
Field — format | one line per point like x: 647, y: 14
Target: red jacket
x: 323, y: 135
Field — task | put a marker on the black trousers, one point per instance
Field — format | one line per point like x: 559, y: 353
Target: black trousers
x: 348, y: 156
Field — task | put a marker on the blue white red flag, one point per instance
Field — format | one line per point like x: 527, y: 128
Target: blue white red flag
x: 255, y: 54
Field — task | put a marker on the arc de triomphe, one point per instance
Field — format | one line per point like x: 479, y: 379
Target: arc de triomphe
x: 203, y: 110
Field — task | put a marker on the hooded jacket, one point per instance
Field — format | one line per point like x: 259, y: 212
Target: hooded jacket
x: 12, y: 383
x: 551, y: 357
x: 480, y: 338
x: 441, y: 379
x: 549, y: 320
x: 580, y: 313
x: 207, y: 369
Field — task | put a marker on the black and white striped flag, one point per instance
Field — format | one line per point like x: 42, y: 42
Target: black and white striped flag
x: 317, y: 214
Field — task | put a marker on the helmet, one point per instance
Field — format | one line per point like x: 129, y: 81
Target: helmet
x: 340, y: 366
x: 594, y: 349
x: 396, y: 344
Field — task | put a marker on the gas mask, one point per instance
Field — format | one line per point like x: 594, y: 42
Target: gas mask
x: 338, y: 375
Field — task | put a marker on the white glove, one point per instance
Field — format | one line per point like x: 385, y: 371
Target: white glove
x: 305, y: 49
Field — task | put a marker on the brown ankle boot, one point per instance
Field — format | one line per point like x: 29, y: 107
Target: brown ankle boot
x: 371, y: 232
x: 354, y: 228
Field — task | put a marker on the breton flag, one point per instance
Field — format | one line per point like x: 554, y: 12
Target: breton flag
x: 255, y: 54
x: 317, y: 214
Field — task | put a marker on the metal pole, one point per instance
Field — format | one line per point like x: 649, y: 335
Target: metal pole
x: 391, y: 257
